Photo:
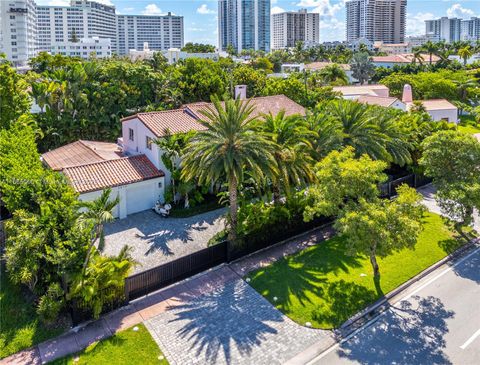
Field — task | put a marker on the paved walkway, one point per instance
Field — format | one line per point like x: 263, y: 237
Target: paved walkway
x: 214, y: 317
x: 155, y: 240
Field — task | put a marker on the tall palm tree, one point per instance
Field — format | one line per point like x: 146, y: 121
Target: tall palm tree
x: 431, y: 48
x: 465, y: 53
x: 417, y: 57
x: 226, y: 149
x: 96, y: 214
x: 291, y: 141
x: 362, y: 67
x: 334, y: 74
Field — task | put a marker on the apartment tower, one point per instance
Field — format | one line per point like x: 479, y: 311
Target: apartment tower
x: 244, y: 24
x: 376, y: 20
x: 18, y: 22
x: 471, y: 30
x: 291, y: 27
x: 444, y: 29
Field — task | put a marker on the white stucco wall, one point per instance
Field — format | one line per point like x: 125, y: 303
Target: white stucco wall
x: 151, y: 190
x: 449, y: 114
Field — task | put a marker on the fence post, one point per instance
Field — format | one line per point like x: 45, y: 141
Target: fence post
x: 126, y: 290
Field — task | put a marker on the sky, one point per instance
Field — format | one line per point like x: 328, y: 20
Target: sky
x: 200, y: 16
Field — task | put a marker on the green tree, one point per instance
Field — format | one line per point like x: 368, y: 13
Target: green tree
x: 254, y: 79
x: 362, y: 67
x: 452, y: 159
x: 14, y: 98
x: 381, y: 227
x: 334, y: 75
x: 227, y: 149
x: 431, y: 49
x: 465, y: 53
x: 97, y: 213
x: 198, y: 48
x: 291, y: 140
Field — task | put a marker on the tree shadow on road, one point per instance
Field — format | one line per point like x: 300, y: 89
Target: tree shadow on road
x: 410, y: 333
x: 227, y: 320
x: 469, y: 269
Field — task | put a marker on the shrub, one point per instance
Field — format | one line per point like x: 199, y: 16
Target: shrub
x: 51, y: 303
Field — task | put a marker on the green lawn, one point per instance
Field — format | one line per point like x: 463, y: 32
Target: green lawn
x: 325, y: 287
x: 20, y: 327
x: 468, y: 125
x: 126, y: 347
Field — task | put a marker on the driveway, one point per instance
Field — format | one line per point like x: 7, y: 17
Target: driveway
x: 219, y: 319
x: 439, y: 323
x: 155, y: 240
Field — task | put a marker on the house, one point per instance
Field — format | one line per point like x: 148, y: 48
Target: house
x: 91, y: 167
x: 386, y: 102
x: 393, y: 48
x: 438, y: 109
x: 354, y: 92
x: 133, y: 167
x: 401, y: 60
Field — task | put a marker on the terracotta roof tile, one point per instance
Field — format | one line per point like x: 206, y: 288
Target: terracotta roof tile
x: 80, y: 153
x: 104, y: 174
x: 436, y: 104
x: 316, y: 66
x: 403, y: 58
x: 377, y: 100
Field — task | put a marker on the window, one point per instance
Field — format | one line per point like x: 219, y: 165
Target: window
x: 131, y: 135
x: 148, y: 142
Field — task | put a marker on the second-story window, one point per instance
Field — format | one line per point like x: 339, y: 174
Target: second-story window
x: 149, y: 142
x: 131, y: 135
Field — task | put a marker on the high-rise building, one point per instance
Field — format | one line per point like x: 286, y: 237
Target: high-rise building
x: 376, y: 20
x: 18, y: 30
x: 82, y: 19
x: 471, y: 29
x: 160, y: 32
x: 291, y: 27
x: 244, y: 24
x: 444, y: 29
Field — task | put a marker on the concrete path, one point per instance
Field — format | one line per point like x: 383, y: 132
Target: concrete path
x: 438, y: 322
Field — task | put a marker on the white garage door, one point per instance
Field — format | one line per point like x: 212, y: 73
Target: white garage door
x: 140, y: 198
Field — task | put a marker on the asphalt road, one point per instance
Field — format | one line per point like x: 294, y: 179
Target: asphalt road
x: 438, y: 322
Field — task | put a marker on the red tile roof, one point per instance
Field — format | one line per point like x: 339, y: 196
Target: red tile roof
x: 176, y: 121
x: 316, y: 66
x: 437, y: 104
x: 81, y: 153
x: 377, y: 100
x: 185, y: 119
x: 104, y: 174
x: 403, y: 58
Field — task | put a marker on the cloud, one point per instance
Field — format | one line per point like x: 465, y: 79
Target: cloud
x: 152, y: 9
x: 203, y: 9
x: 458, y: 11
x: 416, y: 23
x: 276, y: 10
x: 323, y: 7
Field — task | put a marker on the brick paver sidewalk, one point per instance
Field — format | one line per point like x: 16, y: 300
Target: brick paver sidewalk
x: 153, y: 309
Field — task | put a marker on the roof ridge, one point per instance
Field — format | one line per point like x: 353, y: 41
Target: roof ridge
x: 95, y: 152
x: 104, y: 161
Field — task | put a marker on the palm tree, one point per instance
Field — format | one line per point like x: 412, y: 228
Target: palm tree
x: 465, y: 53
x: 226, y: 149
x: 431, y: 48
x: 359, y: 128
x: 334, y: 74
x: 291, y: 141
x: 97, y: 213
x: 362, y: 67
x: 417, y: 57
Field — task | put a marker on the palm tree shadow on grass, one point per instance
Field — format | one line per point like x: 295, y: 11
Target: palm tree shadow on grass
x: 303, y: 276
x: 413, y: 333
x: 226, y: 320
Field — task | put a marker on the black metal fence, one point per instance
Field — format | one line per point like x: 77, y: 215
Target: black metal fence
x: 163, y: 275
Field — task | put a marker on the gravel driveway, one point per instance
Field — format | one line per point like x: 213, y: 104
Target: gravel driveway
x: 155, y: 240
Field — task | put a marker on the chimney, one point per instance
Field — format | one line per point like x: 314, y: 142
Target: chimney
x: 407, y: 96
x: 241, y: 92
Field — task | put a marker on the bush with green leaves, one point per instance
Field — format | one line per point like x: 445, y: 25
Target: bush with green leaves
x: 51, y: 303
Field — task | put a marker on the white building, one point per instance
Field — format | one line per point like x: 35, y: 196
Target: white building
x: 290, y: 27
x: 172, y: 55
x: 394, y: 48
x: 18, y: 30
x: 416, y: 41
x: 376, y: 20
x: 471, y: 29
x: 244, y: 24
x: 444, y: 29
x: 85, y: 48
x: 161, y: 32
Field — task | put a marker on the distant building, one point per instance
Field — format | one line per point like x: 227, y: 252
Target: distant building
x: 291, y: 27
x: 376, y: 20
x: 162, y: 32
x: 416, y: 41
x: 401, y: 59
x: 319, y: 66
x: 471, y: 29
x: 444, y: 29
x: 355, y: 92
x: 394, y: 48
x: 18, y: 23
x: 244, y: 24
x: 172, y: 55
x: 85, y: 48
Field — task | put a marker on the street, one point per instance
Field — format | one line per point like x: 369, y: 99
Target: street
x: 437, y: 322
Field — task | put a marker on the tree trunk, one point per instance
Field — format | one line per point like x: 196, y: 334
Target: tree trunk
x: 232, y: 194
x: 373, y: 261
x: 276, y: 193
